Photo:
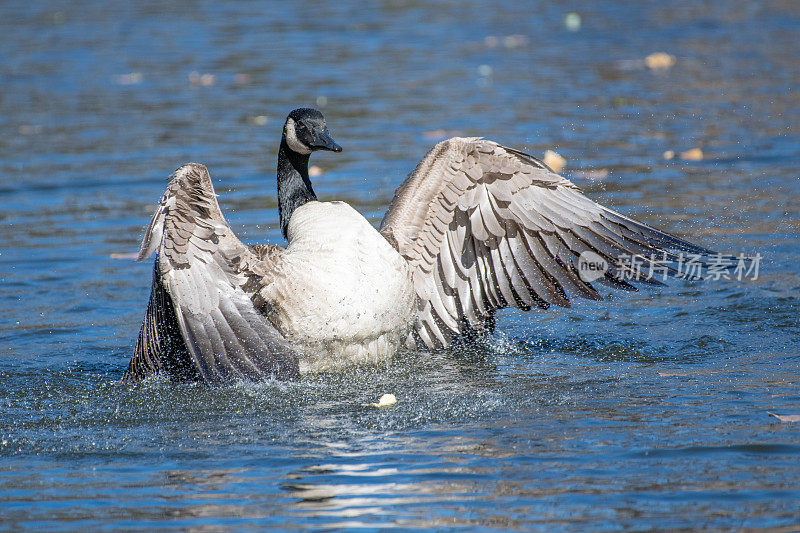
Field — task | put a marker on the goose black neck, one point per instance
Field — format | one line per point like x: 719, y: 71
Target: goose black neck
x: 294, y: 187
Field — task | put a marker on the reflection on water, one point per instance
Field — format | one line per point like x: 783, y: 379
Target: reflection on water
x: 645, y: 411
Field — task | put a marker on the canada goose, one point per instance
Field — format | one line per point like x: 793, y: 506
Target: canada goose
x: 475, y: 228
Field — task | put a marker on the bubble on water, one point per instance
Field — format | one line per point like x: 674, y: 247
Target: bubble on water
x: 572, y: 21
x: 514, y: 41
x: 203, y: 80
x: 131, y: 78
x: 258, y: 120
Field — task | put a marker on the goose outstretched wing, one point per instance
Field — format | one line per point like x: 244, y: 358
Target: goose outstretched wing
x: 485, y: 227
x: 204, y: 288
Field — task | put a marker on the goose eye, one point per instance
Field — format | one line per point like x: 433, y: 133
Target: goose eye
x: 304, y: 132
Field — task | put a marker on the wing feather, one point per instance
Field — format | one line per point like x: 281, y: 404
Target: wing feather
x: 556, y: 268
x: 502, y: 291
x: 494, y: 227
x: 210, y: 281
x: 478, y: 286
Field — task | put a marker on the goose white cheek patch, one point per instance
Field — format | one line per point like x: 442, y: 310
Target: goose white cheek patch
x: 291, y: 138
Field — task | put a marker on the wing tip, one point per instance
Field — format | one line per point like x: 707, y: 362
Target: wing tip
x: 186, y: 168
x: 152, y: 235
x: 155, y: 229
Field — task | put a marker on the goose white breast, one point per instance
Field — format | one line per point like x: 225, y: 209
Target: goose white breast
x: 340, y: 293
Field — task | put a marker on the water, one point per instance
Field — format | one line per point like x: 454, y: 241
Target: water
x: 648, y: 411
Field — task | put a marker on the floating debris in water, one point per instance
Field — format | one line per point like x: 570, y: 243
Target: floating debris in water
x: 515, y: 40
x: 669, y: 154
x: 385, y: 401
x: 131, y: 78
x: 572, y: 21
x: 315, y: 171
x: 554, y: 160
x: 659, y: 61
x: 258, y: 120
x: 695, y: 154
x: 785, y: 418
x: 204, y: 80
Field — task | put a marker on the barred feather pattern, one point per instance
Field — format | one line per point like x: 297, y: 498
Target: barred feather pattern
x: 209, y: 279
x: 485, y: 227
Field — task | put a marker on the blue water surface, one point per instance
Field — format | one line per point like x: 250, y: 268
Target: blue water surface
x: 648, y: 411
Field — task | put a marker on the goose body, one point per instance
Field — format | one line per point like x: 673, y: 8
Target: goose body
x: 340, y: 293
x: 475, y: 228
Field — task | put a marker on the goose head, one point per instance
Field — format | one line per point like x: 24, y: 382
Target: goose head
x: 305, y: 132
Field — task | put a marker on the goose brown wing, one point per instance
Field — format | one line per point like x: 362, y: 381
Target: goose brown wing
x: 486, y: 227
x: 209, y: 279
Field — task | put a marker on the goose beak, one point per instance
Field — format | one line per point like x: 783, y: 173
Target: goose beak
x: 323, y: 141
